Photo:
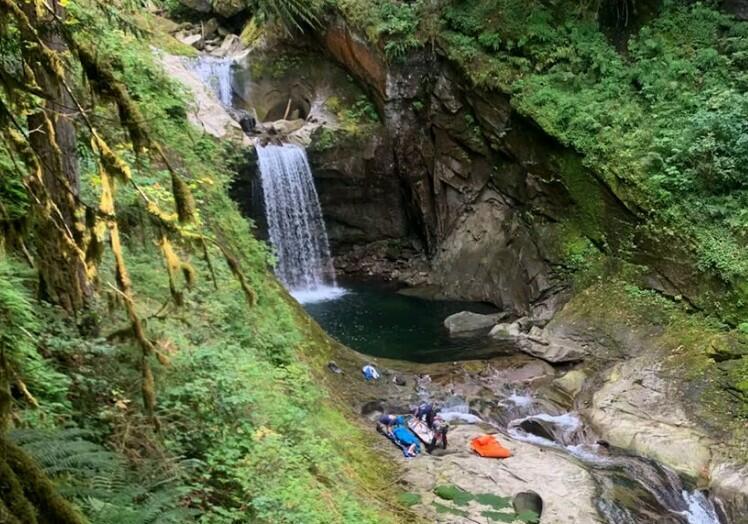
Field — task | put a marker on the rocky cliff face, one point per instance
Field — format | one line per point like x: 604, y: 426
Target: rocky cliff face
x: 360, y: 193
x: 504, y: 211
x: 483, y: 187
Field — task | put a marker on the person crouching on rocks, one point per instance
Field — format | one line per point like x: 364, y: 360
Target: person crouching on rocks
x: 426, y: 413
x: 440, y: 429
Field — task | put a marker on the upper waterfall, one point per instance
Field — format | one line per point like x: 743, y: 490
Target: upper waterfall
x: 216, y: 73
x: 295, y: 224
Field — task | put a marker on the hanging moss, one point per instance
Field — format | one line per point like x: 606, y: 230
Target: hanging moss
x: 106, y: 83
x: 111, y: 162
x: 189, y: 274
x: 206, y: 257
x: 236, y: 270
x: 13, y: 497
x: 173, y: 265
x: 183, y: 199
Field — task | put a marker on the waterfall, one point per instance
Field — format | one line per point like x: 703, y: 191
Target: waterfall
x: 215, y: 73
x: 295, y: 225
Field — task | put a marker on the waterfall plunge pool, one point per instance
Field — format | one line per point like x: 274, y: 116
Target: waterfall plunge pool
x: 371, y: 317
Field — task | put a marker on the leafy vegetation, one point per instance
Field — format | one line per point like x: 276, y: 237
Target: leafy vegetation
x: 497, y: 508
x: 186, y: 392
x: 409, y: 499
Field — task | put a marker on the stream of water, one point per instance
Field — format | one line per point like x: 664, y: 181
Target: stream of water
x: 374, y: 319
x: 633, y: 490
x: 215, y: 73
x: 295, y: 225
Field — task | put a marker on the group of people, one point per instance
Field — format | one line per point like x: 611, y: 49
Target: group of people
x: 395, y: 427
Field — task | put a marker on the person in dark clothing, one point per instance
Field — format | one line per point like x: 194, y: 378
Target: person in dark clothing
x: 440, y: 433
x: 426, y: 413
x: 387, y: 423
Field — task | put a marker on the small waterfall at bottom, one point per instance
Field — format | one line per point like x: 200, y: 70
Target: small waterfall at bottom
x: 633, y: 489
x: 295, y: 224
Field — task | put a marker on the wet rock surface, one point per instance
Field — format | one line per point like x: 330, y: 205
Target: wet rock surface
x: 467, y: 321
x: 566, y: 489
x: 587, y: 421
x: 206, y: 112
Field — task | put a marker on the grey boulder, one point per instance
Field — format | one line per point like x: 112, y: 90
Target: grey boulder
x: 467, y: 321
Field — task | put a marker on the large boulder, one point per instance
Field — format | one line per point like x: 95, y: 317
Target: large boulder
x: 228, y: 8
x: 528, y: 501
x: 231, y: 46
x: 555, y: 352
x: 467, y: 321
x: 286, y: 127
x: 551, y: 345
x: 192, y: 39
x: 572, y: 382
x: 504, y: 330
x: 635, y: 409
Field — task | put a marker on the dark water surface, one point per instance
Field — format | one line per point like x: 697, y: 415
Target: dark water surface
x: 374, y: 319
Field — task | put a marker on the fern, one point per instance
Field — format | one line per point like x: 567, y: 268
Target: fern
x: 100, y: 481
x: 293, y: 14
x: 18, y: 329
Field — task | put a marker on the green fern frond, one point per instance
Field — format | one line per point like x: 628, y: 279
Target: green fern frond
x: 107, y: 490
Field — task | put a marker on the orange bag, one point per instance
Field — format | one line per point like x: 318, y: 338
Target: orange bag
x: 488, y: 446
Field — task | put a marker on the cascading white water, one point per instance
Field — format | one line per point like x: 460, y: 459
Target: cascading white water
x: 567, y: 431
x: 295, y: 225
x: 216, y: 73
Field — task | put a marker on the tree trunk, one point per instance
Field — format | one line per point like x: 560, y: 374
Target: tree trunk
x: 63, y: 274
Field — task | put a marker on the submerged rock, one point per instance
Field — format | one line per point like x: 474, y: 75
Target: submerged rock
x: 466, y: 321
